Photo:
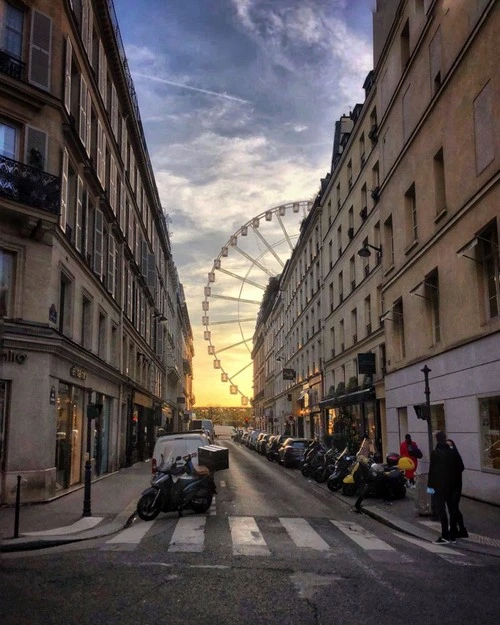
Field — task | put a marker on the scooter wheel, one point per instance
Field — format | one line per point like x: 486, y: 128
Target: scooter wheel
x: 146, y: 510
x: 306, y: 471
x: 334, y: 485
x: 400, y: 491
x: 320, y: 477
x: 349, y: 490
x: 201, y: 503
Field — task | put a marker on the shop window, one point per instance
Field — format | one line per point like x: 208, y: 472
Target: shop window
x: 7, y: 281
x: 489, y: 424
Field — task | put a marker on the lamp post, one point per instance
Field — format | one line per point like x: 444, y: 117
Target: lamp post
x: 88, y: 462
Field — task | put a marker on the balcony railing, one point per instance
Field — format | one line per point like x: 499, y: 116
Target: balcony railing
x: 29, y: 185
x: 11, y: 66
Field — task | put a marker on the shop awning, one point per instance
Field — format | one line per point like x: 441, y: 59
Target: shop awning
x: 356, y: 397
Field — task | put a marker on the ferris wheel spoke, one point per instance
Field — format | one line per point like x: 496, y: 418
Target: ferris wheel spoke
x: 224, y: 349
x: 287, y: 237
x: 232, y: 321
x: 241, y: 370
x: 273, y: 252
x: 242, y: 279
x: 236, y: 299
x: 254, y: 262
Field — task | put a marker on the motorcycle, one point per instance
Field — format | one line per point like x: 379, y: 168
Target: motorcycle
x: 177, y: 488
x: 327, y: 465
x: 378, y: 480
x: 312, y: 458
x: 342, y: 468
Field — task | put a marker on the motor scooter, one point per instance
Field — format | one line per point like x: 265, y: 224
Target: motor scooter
x: 312, y: 458
x: 177, y: 488
x: 377, y: 479
x: 342, y: 468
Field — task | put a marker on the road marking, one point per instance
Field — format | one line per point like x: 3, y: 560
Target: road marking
x: 303, y: 535
x: 247, y: 538
x: 189, y: 534
x: 432, y: 547
x: 364, y: 539
x: 132, y: 535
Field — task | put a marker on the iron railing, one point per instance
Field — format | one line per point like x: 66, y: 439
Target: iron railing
x: 29, y: 185
x: 11, y: 66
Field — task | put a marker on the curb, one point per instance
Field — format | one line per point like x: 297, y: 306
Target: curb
x: 28, y: 544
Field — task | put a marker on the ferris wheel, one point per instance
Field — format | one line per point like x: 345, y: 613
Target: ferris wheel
x: 253, y: 255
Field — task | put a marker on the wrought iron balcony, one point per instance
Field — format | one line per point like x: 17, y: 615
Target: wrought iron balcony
x: 29, y: 185
x: 11, y: 66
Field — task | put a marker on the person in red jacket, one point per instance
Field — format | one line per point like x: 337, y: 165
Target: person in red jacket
x: 410, y: 449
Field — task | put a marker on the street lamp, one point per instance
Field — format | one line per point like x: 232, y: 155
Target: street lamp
x: 364, y: 252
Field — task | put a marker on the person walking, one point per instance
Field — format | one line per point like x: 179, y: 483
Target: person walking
x: 460, y: 530
x: 441, y: 482
x: 409, y: 449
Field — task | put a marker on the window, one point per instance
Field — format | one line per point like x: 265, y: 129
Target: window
x: 489, y: 422
x: 368, y: 315
x: 484, y: 132
x: 490, y: 258
x: 389, y: 240
x: 332, y: 340
x: 362, y: 157
x: 7, y: 281
x: 330, y: 291
x: 102, y: 336
x: 8, y: 141
x: 342, y: 335
x: 349, y: 174
x: 411, y: 215
x: 341, y: 287
x: 439, y: 182
x: 352, y: 272
x: 339, y: 201
x: 339, y: 240
x: 11, y: 39
x: 399, y: 330
x: 86, y: 337
x: 354, y: 325
x: 65, y: 304
x: 330, y: 254
x: 435, y: 61
x: 405, y: 45
x: 432, y: 295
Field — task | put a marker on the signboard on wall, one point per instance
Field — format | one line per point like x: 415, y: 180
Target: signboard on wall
x: 366, y: 364
x: 289, y: 374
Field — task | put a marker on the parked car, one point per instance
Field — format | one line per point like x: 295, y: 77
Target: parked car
x: 291, y: 451
x: 252, y: 439
x: 261, y: 444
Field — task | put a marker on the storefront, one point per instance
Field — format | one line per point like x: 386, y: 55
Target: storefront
x: 352, y: 417
x: 69, y: 434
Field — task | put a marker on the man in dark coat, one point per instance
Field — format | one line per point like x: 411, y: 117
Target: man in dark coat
x: 444, y: 474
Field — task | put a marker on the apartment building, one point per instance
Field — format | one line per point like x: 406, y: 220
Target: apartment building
x: 91, y: 303
x: 439, y: 137
x: 409, y: 255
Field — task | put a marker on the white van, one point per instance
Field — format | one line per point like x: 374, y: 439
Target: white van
x: 203, y: 424
x: 171, y: 446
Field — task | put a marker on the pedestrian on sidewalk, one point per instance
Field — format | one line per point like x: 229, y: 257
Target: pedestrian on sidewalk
x: 444, y: 470
x: 461, y: 530
x: 409, y: 449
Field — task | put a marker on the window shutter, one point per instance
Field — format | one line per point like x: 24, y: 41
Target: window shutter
x: 123, y: 206
x: 40, y: 49
x: 78, y: 215
x: 67, y: 75
x: 114, y: 111
x: 111, y: 265
x: 100, y: 151
x: 102, y: 71
x: 85, y: 25
x: 112, y: 183
x: 151, y: 277
x: 89, y: 123
x: 144, y: 260
x: 98, y: 242
x: 64, y: 192
x: 82, y: 117
x: 124, y: 142
x: 36, y: 140
x: 129, y: 295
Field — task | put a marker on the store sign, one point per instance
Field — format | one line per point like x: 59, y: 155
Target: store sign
x: 289, y: 374
x: 181, y: 400
x: 76, y: 372
x: 366, y: 364
x: 18, y: 358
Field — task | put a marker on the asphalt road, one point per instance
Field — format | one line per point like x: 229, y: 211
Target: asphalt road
x: 273, y: 550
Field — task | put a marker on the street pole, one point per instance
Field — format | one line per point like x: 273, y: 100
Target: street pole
x: 427, y: 392
x: 88, y: 461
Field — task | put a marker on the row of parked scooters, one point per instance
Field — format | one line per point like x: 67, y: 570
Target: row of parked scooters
x: 340, y: 469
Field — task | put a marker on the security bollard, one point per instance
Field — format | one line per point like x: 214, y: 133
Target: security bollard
x: 18, y: 503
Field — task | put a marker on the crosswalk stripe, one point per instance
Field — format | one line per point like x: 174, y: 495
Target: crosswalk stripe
x: 432, y: 547
x: 247, y: 538
x: 303, y: 535
x: 361, y: 537
x: 189, y: 534
x: 132, y: 535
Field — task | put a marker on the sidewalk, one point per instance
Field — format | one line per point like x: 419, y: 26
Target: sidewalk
x: 114, y: 499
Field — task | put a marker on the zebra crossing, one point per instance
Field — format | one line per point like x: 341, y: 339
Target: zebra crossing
x: 249, y: 536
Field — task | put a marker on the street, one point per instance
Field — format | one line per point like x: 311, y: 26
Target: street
x: 274, y: 548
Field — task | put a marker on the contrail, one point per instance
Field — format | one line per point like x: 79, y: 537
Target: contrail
x: 176, y: 84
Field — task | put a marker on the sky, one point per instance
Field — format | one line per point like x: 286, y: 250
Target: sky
x: 238, y: 100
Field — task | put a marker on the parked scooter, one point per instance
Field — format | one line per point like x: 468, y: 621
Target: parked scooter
x: 177, y: 488
x: 376, y: 479
x: 326, y: 465
x: 342, y: 468
x: 312, y: 458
